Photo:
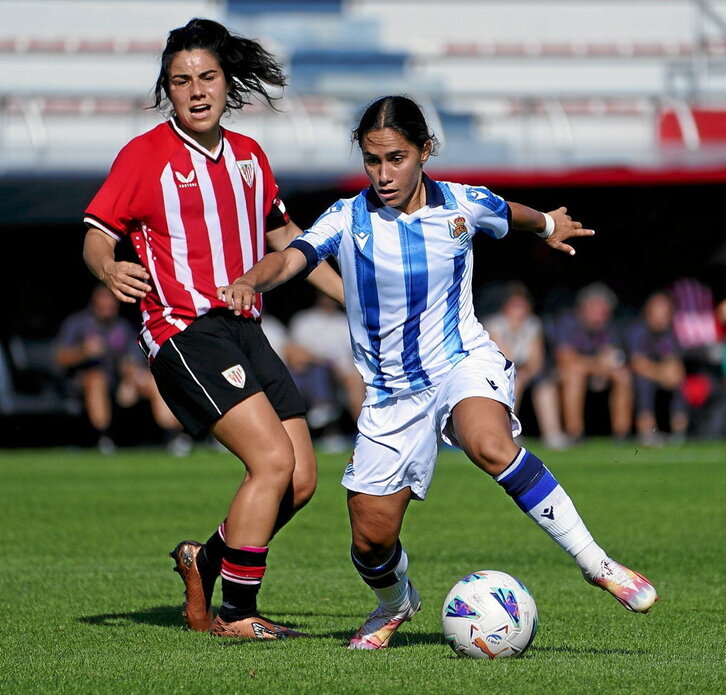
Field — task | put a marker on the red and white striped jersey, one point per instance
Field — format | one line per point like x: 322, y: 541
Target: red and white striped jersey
x: 197, y: 220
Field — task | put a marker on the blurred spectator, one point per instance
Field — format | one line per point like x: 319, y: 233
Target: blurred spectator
x: 322, y: 332
x: 697, y: 327
x: 316, y: 349
x: 319, y: 346
x: 520, y: 336
x: 98, y: 349
x: 590, y: 356
x: 657, y: 366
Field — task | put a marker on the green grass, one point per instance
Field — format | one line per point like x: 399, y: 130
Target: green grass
x: 89, y: 604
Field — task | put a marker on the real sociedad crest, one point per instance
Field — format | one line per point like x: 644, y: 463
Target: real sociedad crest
x: 458, y: 230
x: 235, y: 375
x: 247, y: 169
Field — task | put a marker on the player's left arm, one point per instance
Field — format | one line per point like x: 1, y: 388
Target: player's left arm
x: 324, y: 277
x: 555, y: 231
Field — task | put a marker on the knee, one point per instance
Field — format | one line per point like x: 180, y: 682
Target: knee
x: 276, y: 469
x: 492, y: 453
x: 303, y: 490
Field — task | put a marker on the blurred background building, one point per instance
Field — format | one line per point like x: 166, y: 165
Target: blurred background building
x: 614, y: 108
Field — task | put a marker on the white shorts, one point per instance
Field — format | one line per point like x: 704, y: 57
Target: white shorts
x: 397, y: 441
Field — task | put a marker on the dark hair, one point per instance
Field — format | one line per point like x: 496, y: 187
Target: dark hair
x: 400, y: 114
x: 246, y: 65
x: 518, y: 289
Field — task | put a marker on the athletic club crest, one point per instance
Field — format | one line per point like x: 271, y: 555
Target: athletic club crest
x: 235, y: 375
x: 247, y: 169
x: 458, y: 230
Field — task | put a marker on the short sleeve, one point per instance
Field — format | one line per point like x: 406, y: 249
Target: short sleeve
x: 275, y: 212
x: 489, y: 212
x: 324, y: 237
x: 122, y: 199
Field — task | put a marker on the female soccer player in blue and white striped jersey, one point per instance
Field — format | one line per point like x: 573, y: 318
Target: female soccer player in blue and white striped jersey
x: 404, y: 247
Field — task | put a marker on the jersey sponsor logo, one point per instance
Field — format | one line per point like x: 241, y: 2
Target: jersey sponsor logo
x: 247, y: 169
x: 361, y: 238
x: 188, y: 181
x: 458, y: 230
x: 235, y: 376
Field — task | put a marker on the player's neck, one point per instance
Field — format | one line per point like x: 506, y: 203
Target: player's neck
x: 417, y: 199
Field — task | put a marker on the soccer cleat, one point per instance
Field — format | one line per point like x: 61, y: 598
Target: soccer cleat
x: 633, y: 590
x: 254, y: 627
x: 197, y: 609
x: 381, y: 624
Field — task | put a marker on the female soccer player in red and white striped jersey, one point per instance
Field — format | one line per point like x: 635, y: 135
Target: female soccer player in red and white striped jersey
x: 199, y: 204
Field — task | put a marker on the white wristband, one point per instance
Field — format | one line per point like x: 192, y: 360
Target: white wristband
x: 549, y: 227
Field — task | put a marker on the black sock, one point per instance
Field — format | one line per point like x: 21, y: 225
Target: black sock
x: 209, y: 562
x: 242, y: 572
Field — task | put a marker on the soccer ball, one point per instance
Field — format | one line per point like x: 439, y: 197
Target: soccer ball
x: 489, y: 615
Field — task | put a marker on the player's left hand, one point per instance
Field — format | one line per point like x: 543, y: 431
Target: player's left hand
x: 565, y: 228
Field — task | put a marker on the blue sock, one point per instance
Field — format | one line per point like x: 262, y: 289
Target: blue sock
x: 538, y: 494
x: 389, y: 581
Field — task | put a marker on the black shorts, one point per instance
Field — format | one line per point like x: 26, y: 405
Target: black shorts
x: 215, y: 363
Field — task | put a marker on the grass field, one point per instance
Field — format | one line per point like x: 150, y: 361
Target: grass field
x: 89, y: 604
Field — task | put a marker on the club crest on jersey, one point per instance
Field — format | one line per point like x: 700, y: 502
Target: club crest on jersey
x: 188, y: 181
x: 235, y: 375
x: 247, y: 169
x: 458, y: 230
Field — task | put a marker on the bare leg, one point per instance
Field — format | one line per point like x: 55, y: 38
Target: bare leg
x: 376, y: 523
x: 483, y: 428
x: 253, y: 432
x: 621, y: 402
x: 547, y: 409
x: 96, y: 398
x: 305, y: 474
x: 574, y: 387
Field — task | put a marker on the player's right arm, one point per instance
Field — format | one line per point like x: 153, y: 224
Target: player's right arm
x: 126, y: 280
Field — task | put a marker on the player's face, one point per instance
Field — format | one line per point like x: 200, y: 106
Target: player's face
x: 198, y: 93
x: 395, y: 167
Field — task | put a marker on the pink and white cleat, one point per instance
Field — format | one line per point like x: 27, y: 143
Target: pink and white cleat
x: 381, y: 624
x: 633, y: 590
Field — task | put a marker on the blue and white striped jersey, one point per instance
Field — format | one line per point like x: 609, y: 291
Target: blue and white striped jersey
x: 407, y: 281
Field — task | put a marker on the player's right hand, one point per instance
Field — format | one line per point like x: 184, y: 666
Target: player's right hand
x: 238, y: 296
x: 127, y: 281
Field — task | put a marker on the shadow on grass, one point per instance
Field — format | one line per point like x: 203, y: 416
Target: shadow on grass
x: 165, y: 616
x: 160, y: 616
x: 401, y: 639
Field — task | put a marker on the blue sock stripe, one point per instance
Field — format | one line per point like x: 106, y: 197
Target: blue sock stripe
x: 383, y: 575
x: 529, y: 483
x: 544, y: 485
x: 524, y: 475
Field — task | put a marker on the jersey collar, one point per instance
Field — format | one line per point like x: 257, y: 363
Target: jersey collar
x: 189, y: 142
